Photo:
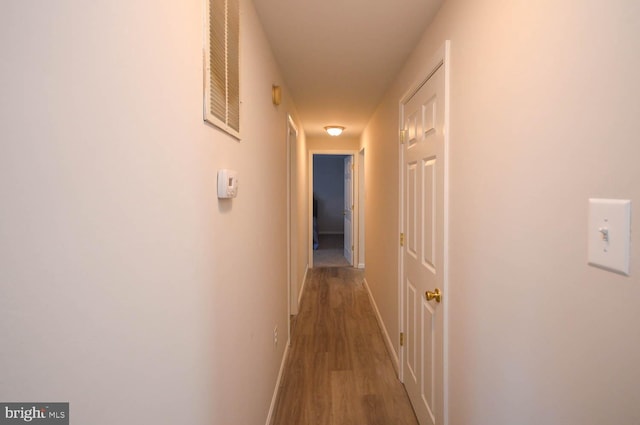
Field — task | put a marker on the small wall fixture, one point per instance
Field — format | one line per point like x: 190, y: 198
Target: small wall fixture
x: 276, y: 95
x: 334, y: 130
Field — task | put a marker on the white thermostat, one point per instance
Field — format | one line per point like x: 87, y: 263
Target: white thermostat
x: 227, y: 183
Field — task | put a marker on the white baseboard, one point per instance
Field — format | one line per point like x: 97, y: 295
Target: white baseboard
x: 304, y: 282
x: 276, y: 390
x: 387, y: 339
x: 361, y: 265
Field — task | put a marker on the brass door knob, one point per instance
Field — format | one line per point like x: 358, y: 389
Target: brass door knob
x: 435, y: 295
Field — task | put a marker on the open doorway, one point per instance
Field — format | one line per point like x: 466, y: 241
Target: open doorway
x: 333, y: 210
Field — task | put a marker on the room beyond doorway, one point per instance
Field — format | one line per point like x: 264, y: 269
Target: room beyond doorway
x: 333, y: 183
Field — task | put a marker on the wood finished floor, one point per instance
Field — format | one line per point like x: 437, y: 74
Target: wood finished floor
x: 339, y: 371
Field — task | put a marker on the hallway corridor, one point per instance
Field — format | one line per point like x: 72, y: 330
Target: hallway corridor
x: 339, y: 371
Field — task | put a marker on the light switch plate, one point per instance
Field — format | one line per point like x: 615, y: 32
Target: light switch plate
x: 609, y: 234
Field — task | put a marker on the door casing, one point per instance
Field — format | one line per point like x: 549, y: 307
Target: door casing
x: 440, y: 58
x: 361, y: 203
x: 348, y: 205
x: 292, y: 291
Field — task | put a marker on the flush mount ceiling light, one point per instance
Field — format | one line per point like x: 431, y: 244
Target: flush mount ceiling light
x: 334, y: 130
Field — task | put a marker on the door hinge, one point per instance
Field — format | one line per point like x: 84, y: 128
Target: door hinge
x: 401, y: 339
x: 352, y: 247
x: 401, y: 239
x: 402, y: 134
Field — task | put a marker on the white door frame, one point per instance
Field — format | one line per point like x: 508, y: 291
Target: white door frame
x: 292, y: 287
x: 348, y: 204
x: 356, y: 207
x: 440, y: 58
x: 361, y: 203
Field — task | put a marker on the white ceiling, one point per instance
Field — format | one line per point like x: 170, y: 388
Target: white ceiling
x: 339, y: 56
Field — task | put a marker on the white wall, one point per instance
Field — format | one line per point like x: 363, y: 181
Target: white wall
x: 544, y: 109
x: 380, y: 140
x: 329, y: 144
x: 126, y: 287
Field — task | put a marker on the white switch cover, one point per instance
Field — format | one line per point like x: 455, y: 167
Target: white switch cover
x: 609, y: 234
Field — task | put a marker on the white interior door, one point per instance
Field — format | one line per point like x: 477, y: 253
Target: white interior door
x: 423, y: 251
x: 348, y: 209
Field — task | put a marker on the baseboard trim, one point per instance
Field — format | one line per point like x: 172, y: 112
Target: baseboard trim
x: 387, y: 339
x: 276, y: 390
x: 304, y: 282
x: 285, y: 355
x: 361, y: 265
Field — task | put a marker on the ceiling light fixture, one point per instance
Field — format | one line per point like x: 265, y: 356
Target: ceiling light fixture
x: 334, y: 130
